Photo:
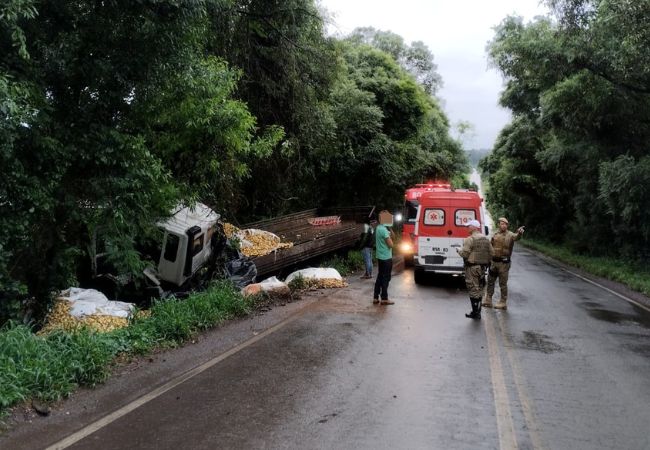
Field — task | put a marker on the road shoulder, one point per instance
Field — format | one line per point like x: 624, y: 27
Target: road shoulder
x: 134, y: 378
x: 614, y: 286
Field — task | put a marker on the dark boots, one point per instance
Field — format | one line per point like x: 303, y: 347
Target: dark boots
x: 476, y: 308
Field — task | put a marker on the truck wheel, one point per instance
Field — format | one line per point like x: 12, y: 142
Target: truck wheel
x: 418, y: 276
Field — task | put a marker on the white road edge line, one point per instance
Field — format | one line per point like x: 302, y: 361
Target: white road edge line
x: 627, y: 299
x: 621, y: 296
x: 505, y: 426
x: 106, y: 420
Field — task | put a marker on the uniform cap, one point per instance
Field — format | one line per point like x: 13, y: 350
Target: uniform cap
x: 504, y: 220
x: 474, y: 223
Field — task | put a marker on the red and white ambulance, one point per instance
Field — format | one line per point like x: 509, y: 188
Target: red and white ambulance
x: 441, y: 226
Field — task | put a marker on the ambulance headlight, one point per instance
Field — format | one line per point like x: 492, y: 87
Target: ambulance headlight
x: 406, y: 247
x: 398, y: 217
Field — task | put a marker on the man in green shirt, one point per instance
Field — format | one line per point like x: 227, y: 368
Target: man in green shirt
x: 384, y: 251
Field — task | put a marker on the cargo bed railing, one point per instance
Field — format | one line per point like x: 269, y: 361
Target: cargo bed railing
x: 310, y: 241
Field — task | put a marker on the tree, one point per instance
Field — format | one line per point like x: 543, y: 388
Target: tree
x: 113, y: 113
x: 16, y: 111
x: 416, y: 58
x: 393, y: 133
x: 88, y: 152
x: 581, y: 83
x: 287, y: 67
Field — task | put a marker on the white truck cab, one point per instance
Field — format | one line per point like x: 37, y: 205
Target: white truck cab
x: 186, y: 243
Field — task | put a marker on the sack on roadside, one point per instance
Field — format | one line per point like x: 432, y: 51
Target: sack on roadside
x: 274, y: 286
x: 319, y: 277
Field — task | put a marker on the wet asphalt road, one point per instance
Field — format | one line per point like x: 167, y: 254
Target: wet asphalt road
x: 566, y: 367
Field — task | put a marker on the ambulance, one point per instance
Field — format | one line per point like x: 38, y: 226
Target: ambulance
x: 440, y: 227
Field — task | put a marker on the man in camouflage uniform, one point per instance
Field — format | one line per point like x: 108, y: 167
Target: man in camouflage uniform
x: 502, y: 241
x: 476, y: 253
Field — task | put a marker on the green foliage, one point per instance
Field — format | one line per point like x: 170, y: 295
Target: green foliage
x: 569, y: 163
x: 114, y: 118
x: 12, y: 12
x: 629, y: 272
x: 112, y: 113
x: 204, y: 135
x: 390, y: 134
x: 173, y: 320
x: 50, y: 367
x: 355, y: 261
x: 15, y: 111
x: 345, y: 265
x: 623, y: 189
x: 416, y: 58
x: 287, y: 68
x: 298, y: 283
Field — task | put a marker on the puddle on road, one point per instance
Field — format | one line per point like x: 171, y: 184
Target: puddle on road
x: 641, y: 317
x: 563, y: 276
x: 539, y: 342
x: 639, y: 349
x: 590, y: 304
x: 637, y: 343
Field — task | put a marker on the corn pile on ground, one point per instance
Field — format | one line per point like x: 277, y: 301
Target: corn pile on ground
x: 326, y: 283
x: 61, y: 319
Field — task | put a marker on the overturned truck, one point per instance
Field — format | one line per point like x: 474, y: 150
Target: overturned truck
x: 193, y: 246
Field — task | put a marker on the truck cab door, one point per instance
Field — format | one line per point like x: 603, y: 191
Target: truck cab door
x: 171, y: 258
x: 195, y: 244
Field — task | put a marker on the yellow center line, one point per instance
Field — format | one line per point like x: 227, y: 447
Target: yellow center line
x: 505, y: 426
x: 526, y: 404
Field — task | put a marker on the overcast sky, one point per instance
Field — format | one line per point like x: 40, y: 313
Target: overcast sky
x: 456, y: 32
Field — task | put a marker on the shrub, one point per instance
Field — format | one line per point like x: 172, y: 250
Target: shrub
x: 50, y: 367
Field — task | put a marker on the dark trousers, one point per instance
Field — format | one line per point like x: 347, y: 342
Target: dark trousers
x: 384, y: 268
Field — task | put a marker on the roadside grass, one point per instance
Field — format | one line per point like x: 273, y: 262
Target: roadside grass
x: 635, y: 276
x: 352, y: 262
x: 50, y: 367
x: 298, y: 284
